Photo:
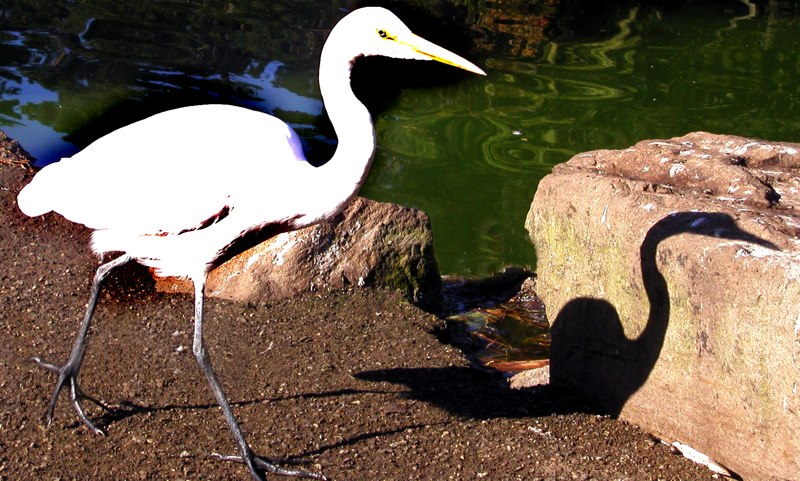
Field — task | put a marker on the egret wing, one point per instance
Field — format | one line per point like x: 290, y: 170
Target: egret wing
x: 171, y: 172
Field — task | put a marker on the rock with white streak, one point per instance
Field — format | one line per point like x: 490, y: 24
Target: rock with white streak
x: 671, y: 273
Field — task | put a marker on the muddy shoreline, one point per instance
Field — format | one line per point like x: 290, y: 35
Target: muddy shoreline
x: 355, y: 384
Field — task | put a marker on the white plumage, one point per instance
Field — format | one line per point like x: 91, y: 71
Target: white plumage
x: 174, y: 191
x: 148, y: 194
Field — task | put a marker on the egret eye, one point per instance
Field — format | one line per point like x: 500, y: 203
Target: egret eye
x: 382, y: 34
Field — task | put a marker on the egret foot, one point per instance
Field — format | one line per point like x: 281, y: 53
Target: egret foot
x: 262, y: 464
x: 68, y: 373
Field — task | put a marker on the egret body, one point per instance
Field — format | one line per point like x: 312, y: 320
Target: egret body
x: 218, y: 172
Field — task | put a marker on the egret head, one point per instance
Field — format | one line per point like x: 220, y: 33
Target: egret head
x: 376, y: 31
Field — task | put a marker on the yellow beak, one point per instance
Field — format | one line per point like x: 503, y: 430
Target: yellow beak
x: 431, y: 51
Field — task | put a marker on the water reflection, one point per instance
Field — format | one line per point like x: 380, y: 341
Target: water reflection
x: 273, y: 98
x: 565, y: 76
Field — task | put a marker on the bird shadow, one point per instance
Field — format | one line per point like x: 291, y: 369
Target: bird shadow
x: 471, y: 393
x: 590, y: 350
x: 125, y: 408
x: 112, y: 414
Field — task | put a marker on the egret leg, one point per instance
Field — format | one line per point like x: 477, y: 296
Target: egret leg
x: 68, y: 373
x: 255, y: 464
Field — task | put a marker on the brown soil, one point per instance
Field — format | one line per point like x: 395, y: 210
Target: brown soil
x: 356, y: 385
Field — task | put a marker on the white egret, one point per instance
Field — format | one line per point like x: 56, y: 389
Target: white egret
x: 216, y: 173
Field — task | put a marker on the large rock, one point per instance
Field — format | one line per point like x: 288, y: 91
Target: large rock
x: 369, y: 244
x: 670, y: 270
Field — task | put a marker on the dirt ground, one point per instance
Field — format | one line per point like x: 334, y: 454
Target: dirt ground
x: 356, y: 385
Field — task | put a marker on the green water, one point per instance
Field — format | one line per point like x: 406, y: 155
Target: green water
x: 563, y: 77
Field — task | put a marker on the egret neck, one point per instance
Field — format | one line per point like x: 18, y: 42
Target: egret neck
x: 345, y: 173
